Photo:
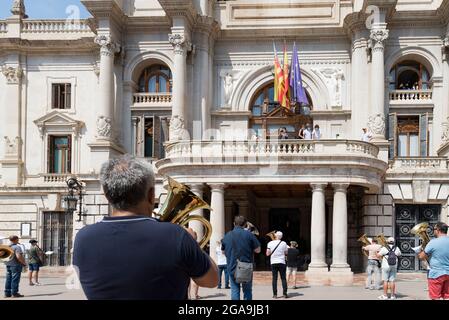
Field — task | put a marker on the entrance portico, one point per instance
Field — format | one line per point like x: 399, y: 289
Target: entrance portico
x: 319, y: 173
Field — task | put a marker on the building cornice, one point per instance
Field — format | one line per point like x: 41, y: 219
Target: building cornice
x: 106, y: 9
x: 180, y: 8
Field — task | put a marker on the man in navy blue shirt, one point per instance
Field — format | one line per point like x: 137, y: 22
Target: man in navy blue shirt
x: 240, y: 244
x: 131, y: 255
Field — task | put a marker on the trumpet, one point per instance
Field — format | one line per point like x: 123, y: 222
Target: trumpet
x: 421, y: 231
x: 364, y: 240
x: 179, y: 203
x: 6, y: 252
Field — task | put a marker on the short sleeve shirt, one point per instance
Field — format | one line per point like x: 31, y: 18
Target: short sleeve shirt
x: 438, y: 250
x: 384, y: 252
x: 278, y: 256
x: 14, y: 262
x: 137, y: 258
x: 239, y: 244
x: 292, y: 257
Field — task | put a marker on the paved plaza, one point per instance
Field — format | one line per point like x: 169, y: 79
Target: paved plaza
x: 57, y: 284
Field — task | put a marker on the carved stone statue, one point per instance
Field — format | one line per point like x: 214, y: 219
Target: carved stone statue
x: 18, y: 8
x: 333, y: 78
x: 376, y: 125
x: 177, y: 129
x: 104, y: 127
x: 13, y: 75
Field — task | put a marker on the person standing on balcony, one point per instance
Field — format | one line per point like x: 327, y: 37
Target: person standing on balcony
x: 316, y: 134
x: 301, y: 132
x: 366, y: 136
x: 308, y: 132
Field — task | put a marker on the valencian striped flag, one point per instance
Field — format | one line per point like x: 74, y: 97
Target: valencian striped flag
x: 283, y: 82
x: 298, y: 92
x: 278, y: 74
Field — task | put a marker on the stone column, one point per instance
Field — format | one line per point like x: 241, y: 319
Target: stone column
x: 105, y: 110
x: 217, y: 216
x: 177, y: 123
x: 197, y: 189
x: 340, y: 229
x: 318, y: 229
x: 376, y: 122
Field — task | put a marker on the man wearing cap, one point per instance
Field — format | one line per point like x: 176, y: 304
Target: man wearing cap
x: 276, y: 250
x: 14, y: 269
x: 34, y: 263
x: 389, y: 270
x: 373, y: 265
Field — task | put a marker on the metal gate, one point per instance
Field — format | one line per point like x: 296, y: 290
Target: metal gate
x: 407, y: 216
x: 57, y: 237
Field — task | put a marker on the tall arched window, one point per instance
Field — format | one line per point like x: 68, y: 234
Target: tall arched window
x: 156, y: 79
x: 268, y: 117
x: 409, y: 75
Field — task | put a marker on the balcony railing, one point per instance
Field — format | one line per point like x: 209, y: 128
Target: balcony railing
x: 411, y: 95
x: 267, y: 149
x: 419, y: 163
x: 149, y: 99
x: 55, y: 178
x: 56, y: 26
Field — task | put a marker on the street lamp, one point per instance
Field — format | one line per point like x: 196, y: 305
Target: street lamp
x: 71, y: 200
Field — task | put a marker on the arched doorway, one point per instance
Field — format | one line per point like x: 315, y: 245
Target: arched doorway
x: 268, y: 116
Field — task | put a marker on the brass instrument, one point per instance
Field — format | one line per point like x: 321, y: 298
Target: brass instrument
x: 381, y: 240
x: 6, y: 252
x: 271, y: 235
x: 179, y: 203
x: 364, y: 240
x: 252, y: 228
x: 421, y: 230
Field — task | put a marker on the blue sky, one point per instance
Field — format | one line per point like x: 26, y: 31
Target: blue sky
x: 49, y: 9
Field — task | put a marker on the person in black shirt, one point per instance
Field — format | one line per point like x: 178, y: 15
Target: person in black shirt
x: 130, y: 255
x: 292, y: 262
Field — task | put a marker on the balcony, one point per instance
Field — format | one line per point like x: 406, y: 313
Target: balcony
x: 282, y: 161
x: 57, y: 179
x: 56, y: 26
x: 419, y: 164
x: 149, y: 99
x: 411, y: 96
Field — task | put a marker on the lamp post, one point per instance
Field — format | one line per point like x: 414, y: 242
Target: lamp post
x: 71, y: 200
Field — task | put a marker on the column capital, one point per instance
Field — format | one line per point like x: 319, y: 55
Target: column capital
x: 108, y: 47
x: 318, y: 186
x: 340, y: 187
x: 217, y: 186
x: 377, y: 38
x: 196, y: 187
x: 12, y: 74
x: 179, y: 43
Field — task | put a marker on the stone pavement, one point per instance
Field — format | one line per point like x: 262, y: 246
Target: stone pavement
x: 410, y: 286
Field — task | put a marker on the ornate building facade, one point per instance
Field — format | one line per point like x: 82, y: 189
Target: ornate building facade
x: 188, y: 85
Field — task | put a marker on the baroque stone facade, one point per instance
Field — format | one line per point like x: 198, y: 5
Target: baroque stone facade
x: 181, y: 88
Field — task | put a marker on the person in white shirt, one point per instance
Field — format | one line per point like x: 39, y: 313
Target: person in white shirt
x: 316, y: 134
x: 366, y: 136
x: 222, y: 266
x: 276, y: 250
x: 389, y: 257
x: 308, y: 133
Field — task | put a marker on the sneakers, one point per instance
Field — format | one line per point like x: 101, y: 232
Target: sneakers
x: 393, y: 297
x: 31, y: 284
x: 17, y: 295
x: 275, y: 296
x: 37, y: 284
x: 382, y: 297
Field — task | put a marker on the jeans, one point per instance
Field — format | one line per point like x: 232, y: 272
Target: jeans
x: 373, y: 267
x: 281, y: 268
x: 235, y: 289
x: 222, y: 269
x: 13, y: 274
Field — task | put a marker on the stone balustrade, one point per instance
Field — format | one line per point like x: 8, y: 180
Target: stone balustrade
x: 55, y: 178
x: 410, y: 95
x: 56, y: 26
x: 149, y: 99
x: 267, y: 149
x: 418, y: 163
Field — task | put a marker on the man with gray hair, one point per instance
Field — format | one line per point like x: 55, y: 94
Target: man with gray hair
x: 130, y: 255
x: 276, y: 250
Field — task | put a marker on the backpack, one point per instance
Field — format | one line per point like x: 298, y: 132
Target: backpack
x: 391, y: 256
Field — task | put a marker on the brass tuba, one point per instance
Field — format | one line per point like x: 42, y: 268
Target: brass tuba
x: 6, y: 252
x: 364, y: 240
x: 421, y: 230
x: 271, y: 235
x: 252, y: 228
x: 381, y: 240
x: 179, y: 203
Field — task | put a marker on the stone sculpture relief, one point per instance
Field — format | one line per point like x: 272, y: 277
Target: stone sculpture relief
x: 333, y: 77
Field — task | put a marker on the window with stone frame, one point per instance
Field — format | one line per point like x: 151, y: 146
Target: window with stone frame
x: 59, y: 154
x: 267, y: 115
x: 156, y: 79
x: 149, y: 132
x: 61, y: 94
